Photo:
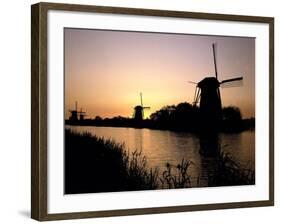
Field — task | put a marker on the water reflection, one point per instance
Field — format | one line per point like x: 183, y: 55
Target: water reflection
x: 204, y: 151
x: 209, y: 150
x: 209, y: 144
x: 139, y: 139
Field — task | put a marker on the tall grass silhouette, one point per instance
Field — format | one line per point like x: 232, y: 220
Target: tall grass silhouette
x: 94, y: 164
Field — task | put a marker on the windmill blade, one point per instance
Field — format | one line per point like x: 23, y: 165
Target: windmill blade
x: 145, y: 107
x: 195, y: 100
x: 197, y: 96
x: 215, y: 61
x: 192, y: 82
x: 231, y: 80
x: 235, y: 82
x: 141, y: 98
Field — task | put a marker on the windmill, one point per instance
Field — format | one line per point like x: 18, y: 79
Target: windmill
x: 77, y: 115
x: 82, y: 114
x: 138, y: 113
x: 74, y: 113
x: 207, y: 95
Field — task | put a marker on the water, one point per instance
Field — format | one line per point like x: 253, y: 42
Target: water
x: 162, y: 146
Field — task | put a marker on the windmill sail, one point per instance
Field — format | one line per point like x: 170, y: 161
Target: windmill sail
x: 235, y: 82
x: 193, y: 82
x: 141, y: 99
x: 215, y: 60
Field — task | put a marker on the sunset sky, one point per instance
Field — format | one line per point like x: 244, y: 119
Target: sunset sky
x: 106, y: 70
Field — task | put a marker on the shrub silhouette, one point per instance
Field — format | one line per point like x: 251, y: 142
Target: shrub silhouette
x: 232, y: 119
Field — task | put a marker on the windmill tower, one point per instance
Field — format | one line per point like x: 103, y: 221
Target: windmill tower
x: 207, y: 95
x: 138, y: 110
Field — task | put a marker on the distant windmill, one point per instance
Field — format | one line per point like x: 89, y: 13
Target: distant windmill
x: 82, y: 115
x: 207, y: 94
x: 76, y: 115
x: 138, y: 113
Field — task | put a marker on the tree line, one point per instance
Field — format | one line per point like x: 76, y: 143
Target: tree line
x: 182, y: 117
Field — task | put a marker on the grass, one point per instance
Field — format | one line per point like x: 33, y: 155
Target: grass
x: 176, y: 176
x: 227, y: 173
x: 230, y: 173
x: 94, y: 164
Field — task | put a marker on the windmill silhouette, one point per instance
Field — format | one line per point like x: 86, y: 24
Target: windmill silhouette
x: 207, y: 95
x: 82, y: 114
x: 77, y: 115
x: 138, y: 110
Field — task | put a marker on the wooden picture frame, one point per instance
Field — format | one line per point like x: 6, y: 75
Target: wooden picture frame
x: 39, y: 109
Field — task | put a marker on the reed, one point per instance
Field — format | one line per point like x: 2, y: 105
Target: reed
x: 94, y: 164
x: 176, y: 176
x: 230, y: 173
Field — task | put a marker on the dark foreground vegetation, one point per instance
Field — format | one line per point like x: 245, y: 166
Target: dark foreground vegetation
x: 181, y: 117
x: 95, y: 164
x: 226, y: 173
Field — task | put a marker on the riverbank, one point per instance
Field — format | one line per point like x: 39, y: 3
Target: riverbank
x: 225, y: 127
